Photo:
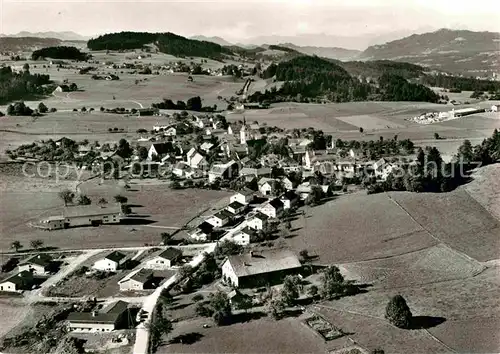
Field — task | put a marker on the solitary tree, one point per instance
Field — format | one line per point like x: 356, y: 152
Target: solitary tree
x: 83, y: 200
x: 166, y: 238
x: 333, y: 283
x: 102, y: 202
x: 304, y: 255
x: 36, y: 244
x: 313, y: 291
x: 120, y: 199
x: 42, y: 108
x: 398, y: 312
x: 292, y: 286
x: 221, y: 307
x: 16, y: 245
x: 67, y: 196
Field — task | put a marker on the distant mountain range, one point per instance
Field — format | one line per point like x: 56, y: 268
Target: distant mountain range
x: 456, y: 51
x: 63, y: 36
x: 216, y: 40
x: 326, y: 52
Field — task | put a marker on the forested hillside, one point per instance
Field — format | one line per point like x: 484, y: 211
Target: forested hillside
x: 60, y: 52
x: 168, y: 43
x: 14, y: 86
x: 309, y: 79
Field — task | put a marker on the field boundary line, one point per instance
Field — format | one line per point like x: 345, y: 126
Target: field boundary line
x: 439, y: 341
x: 433, y: 236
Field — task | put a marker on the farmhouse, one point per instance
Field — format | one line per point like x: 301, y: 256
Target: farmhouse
x: 53, y: 222
x: 202, y: 232
x: 196, y: 160
x: 110, y: 263
x: 273, y: 208
x: 114, y: 316
x: 21, y: 281
x: 165, y: 259
x: 257, y: 269
x: 141, y: 280
x: 220, y: 219
x: 39, y: 264
x: 90, y: 215
x: 258, y: 221
x: 244, y: 196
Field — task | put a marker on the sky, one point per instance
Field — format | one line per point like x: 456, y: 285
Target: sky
x: 239, y: 20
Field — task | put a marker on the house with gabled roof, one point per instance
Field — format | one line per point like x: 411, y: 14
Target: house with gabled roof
x: 244, y: 196
x: 268, y: 186
x: 236, y: 208
x: 258, y: 221
x: 159, y: 150
x: 138, y: 280
x: 259, y: 268
x: 21, y: 281
x: 39, y: 264
x: 273, y: 208
x: 111, y: 262
x: 202, y: 232
x: 220, y: 218
x: 245, y: 236
x: 289, y: 199
x: 164, y: 259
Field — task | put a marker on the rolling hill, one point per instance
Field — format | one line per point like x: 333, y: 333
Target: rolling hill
x: 63, y: 36
x: 23, y: 44
x: 456, y: 51
x: 325, y: 52
x: 215, y: 39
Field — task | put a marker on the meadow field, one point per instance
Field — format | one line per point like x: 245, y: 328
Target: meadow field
x: 258, y: 336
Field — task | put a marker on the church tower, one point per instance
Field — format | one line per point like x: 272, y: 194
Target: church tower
x: 243, y: 133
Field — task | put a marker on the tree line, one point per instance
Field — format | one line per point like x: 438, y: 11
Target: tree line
x: 168, y: 43
x: 192, y: 104
x: 307, y: 79
x: 15, y: 86
x: 60, y: 52
x: 461, y: 83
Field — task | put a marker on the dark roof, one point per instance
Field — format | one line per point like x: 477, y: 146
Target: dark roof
x: 163, y: 148
x: 236, y: 205
x: 115, y: 256
x: 223, y: 214
x: 249, y: 231
x: 246, y: 191
x: 264, y: 262
x: 171, y: 253
x: 142, y: 276
x: 42, y: 260
x: 206, y: 227
x: 21, y: 279
x: 108, y: 315
x: 290, y: 195
x: 276, y: 203
x: 261, y: 216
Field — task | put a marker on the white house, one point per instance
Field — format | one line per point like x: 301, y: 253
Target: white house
x: 289, y: 199
x: 139, y: 280
x: 223, y: 171
x: 206, y: 146
x: 273, y: 208
x: 244, y: 236
x: 202, y: 232
x: 244, y: 196
x: 37, y: 265
x: 170, y: 131
x: 495, y: 107
x: 159, y: 150
x: 164, y: 259
x: 267, y: 186
x: 21, y: 281
x: 110, y: 263
x: 236, y: 207
x: 287, y: 183
x: 197, y: 160
x: 258, y: 221
x: 220, y: 219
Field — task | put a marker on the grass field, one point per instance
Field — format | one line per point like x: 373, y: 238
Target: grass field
x: 455, y: 219
x: 258, y: 336
x: 485, y: 188
x: 13, y: 312
x: 357, y: 227
x: 163, y: 208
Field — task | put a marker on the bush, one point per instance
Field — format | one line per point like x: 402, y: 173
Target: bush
x: 198, y: 297
x: 398, y: 312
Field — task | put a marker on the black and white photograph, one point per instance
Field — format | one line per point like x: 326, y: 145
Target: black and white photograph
x: 249, y: 177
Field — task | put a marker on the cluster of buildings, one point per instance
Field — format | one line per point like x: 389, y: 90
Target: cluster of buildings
x: 28, y: 271
x: 436, y: 117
